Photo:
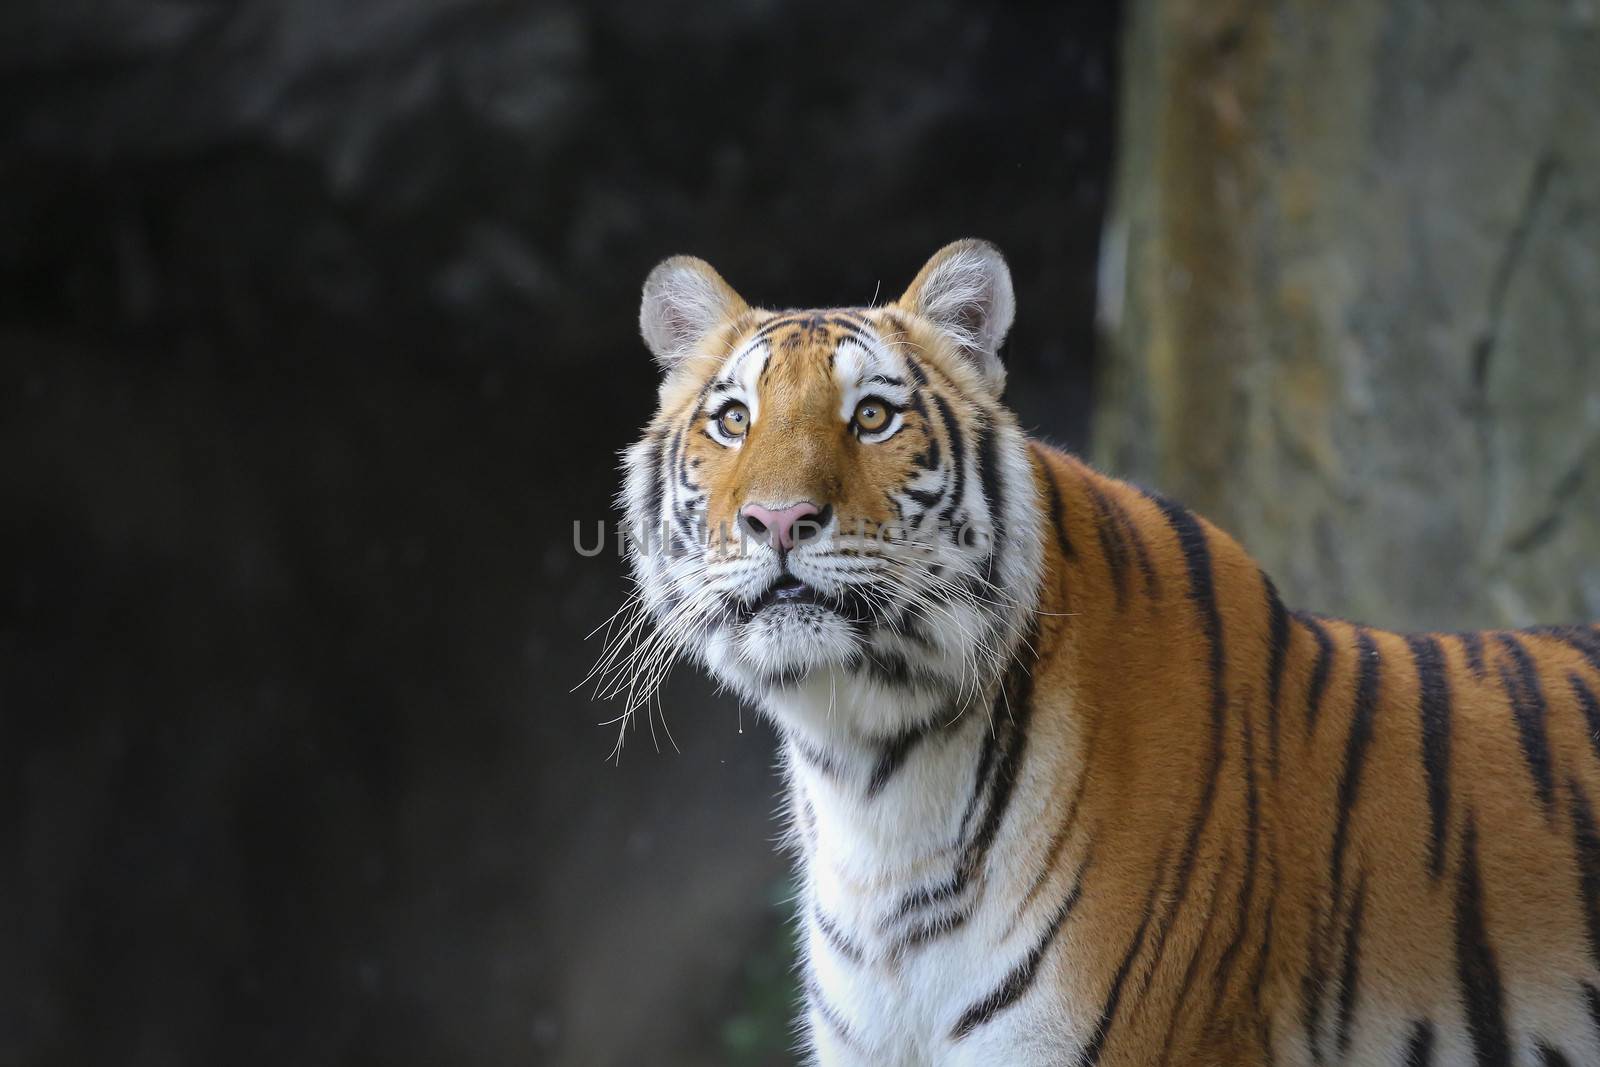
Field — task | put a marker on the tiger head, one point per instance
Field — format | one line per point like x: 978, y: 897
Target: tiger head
x: 832, y: 502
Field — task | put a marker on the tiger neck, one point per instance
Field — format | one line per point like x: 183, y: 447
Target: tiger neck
x: 887, y: 817
x: 880, y: 810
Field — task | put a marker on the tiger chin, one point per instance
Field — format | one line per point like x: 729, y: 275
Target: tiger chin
x: 1067, y: 782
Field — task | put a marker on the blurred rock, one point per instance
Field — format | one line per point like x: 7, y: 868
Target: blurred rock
x: 318, y: 331
x: 1349, y: 287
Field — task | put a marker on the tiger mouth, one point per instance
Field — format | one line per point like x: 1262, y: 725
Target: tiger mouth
x: 787, y: 590
x: 790, y: 591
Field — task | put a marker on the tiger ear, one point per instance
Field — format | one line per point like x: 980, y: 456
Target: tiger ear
x: 684, y: 300
x: 965, y: 291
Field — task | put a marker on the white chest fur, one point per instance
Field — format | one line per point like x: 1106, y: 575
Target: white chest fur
x: 918, y: 850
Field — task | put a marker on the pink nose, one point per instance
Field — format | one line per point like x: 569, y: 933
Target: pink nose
x: 783, y: 528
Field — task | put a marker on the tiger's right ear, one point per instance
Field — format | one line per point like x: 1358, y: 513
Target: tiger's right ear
x: 684, y: 300
x: 965, y: 291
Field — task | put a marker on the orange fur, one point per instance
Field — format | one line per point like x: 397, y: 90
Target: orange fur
x: 1138, y: 674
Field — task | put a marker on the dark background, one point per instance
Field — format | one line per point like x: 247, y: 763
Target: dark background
x: 317, y: 333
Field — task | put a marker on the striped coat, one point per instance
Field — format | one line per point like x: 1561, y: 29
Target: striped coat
x: 1067, y: 782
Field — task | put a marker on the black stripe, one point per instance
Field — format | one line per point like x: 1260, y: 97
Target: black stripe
x: 993, y: 494
x: 821, y: 759
x: 1476, y: 969
x: 936, y: 927
x: 861, y: 337
x: 1252, y: 807
x: 1111, y: 543
x: 1258, y: 975
x: 727, y: 378
x: 1131, y: 536
x: 893, y: 752
x: 1108, y: 1011
x: 699, y: 408
x: 1063, y: 542
x: 1264, y: 1038
x: 1349, y: 981
x: 1590, y: 708
x: 928, y: 458
x: 1550, y: 1057
x: 1472, y: 645
x: 1586, y: 846
x: 1197, y: 557
x: 836, y: 937
x: 658, y: 481
x: 1359, y: 740
x: 914, y: 365
x: 1419, y: 1049
x: 829, y: 1013
x: 1277, y: 657
x: 1311, y: 989
x: 1433, y: 708
x: 684, y: 480
x: 1058, y: 841
x: 861, y: 332
x: 1591, y: 1000
x: 1021, y: 977
x: 1585, y: 640
x: 980, y: 775
x: 1355, y: 753
x: 958, y: 457
x: 1319, y: 673
x: 814, y: 323
x: 890, y: 668
x: 910, y: 626
x: 855, y: 327
x: 1528, y: 708
x: 680, y: 514
x: 1017, y: 704
x: 773, y: 325
x: 1181, y: 1001
x: 1003, y: 750
x: 808, y: 325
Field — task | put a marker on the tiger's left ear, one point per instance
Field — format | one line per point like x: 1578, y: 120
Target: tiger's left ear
x: 965, y: 291
x: 684, y: 300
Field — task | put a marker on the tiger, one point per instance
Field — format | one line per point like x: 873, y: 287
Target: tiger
x: 1065, y: 780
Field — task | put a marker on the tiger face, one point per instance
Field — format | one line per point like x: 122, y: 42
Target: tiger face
x: 835, y: 498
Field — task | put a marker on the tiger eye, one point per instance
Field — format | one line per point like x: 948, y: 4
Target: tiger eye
x: 872, y: 414
x: 735, y: 420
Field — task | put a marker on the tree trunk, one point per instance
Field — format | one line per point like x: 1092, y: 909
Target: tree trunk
x: 1351, y: 297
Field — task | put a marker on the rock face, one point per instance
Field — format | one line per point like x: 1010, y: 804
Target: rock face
x: 475, y: 186
x: 1351, y: 293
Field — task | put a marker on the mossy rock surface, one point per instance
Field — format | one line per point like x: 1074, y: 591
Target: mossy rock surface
x: 1349, y: 298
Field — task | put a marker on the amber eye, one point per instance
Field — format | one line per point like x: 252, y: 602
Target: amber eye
x: 872, y: 414
x: 735, y: 420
